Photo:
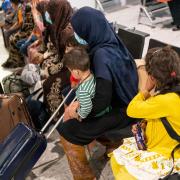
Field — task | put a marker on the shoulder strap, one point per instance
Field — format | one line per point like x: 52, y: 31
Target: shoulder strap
x: 170, y: 130
x: 172, y: 133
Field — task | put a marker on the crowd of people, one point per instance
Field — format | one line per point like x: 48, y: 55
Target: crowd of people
x: 79, y: 49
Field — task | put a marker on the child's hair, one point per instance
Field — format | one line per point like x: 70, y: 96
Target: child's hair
x: 77, y: 58
x: 164, y: 65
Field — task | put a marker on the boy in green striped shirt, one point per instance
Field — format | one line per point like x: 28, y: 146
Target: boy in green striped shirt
x: 78, y: 63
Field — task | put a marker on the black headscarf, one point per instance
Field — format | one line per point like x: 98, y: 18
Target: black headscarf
x: 110, y: 59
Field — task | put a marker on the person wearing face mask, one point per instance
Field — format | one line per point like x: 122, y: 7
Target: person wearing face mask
x: 6, y: 6
x: 58, y: 31
x: 40, y: 30
x: 60, y: 26
x: 116, y: 84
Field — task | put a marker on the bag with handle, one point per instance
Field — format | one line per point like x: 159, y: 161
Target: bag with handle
x: 14, y: 84
x: 23, y: 147
x: 13, y: 110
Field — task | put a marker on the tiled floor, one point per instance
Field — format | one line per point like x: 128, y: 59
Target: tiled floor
x: 53, y: 164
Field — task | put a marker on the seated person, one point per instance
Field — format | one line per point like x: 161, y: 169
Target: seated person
x: 6, y: 6
x: 17, y: 6
x: 163, y: 68
x: 78, y: 63
x: 15, y: 58
x: 23, y: 44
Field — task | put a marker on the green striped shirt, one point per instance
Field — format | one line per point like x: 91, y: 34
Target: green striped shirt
x: 84, y: 93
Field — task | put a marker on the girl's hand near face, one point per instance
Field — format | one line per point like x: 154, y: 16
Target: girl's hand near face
x: 150, y: 83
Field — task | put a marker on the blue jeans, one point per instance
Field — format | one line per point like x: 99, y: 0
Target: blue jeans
x: 23, y: 44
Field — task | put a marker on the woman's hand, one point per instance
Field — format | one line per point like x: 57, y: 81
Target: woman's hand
x: 34, y: 44
x: 70, y: 111
x: 66, y: 115
x: 73, y: 108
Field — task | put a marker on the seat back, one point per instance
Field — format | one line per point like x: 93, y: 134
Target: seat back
x: 155, y: 43
x: 145, y: 2
x: 153, y: 5
x: 133, y: 40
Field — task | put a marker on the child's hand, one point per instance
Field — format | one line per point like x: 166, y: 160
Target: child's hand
x: 142, y: 125
x: 134, y: 129
x: 150, y: 84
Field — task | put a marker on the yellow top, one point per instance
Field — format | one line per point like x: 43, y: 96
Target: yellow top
x: 153, y: 108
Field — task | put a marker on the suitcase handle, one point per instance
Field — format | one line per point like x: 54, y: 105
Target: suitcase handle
x: 51, y: 118
x: 58, y: 122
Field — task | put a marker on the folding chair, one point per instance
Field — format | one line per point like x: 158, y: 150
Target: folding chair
x: 98, y: 4
x: 133, y: 39
x: 103, y: 4
x: 155, y: 43
x: 148, y: 8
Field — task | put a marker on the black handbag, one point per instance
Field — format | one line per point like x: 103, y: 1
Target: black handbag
x: 173, y: 135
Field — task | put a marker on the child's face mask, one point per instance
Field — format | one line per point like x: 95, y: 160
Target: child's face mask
x: 48, y: 18
x: 80, y: 40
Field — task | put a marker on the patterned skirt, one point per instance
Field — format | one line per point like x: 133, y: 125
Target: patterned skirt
x: 15, y: 58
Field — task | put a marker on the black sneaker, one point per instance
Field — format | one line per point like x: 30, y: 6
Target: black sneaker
x: 177, y: 28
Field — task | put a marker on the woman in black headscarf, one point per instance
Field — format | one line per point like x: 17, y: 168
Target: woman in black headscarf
x: 116, y: 84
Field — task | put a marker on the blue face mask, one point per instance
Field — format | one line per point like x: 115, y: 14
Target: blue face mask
x: 48, y: 18
x: 80, y: 40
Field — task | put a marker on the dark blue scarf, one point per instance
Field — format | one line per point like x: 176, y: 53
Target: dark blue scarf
x: 110, y: 59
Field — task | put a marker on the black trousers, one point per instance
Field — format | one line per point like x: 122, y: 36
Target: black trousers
x: 82, y: 133
x: 174, y: 6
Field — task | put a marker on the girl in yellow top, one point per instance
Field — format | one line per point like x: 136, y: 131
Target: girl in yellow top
x: 163, y: 68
